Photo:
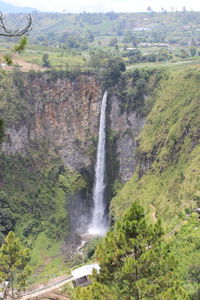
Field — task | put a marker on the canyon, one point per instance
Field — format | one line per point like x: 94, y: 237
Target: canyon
x: 63, y: 114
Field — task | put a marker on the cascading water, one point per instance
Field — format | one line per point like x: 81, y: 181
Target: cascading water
x: 98, y: 224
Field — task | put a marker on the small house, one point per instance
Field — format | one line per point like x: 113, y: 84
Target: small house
x: 81, y: 275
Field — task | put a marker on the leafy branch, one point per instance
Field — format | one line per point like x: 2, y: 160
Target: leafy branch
x: 17, y: 49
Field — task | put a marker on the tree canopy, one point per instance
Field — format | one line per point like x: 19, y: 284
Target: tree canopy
x: 14, y: 262
x: 135, y: 263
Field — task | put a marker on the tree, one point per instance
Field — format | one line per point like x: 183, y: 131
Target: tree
x: 98, y: 58
x: 130, y: 37
x: 14, y: 263
x: 135, y: 262
x: 164, y: 55
x: 112, y: 72
x: 90, y: 36
x: 45, y: 61
x: 184, y: 53
x: 7, y: 219
x: 134, y: 56
x: 4, y: 31
x: 17, y: 49
x: 113, y: 42
x: 193, y: 51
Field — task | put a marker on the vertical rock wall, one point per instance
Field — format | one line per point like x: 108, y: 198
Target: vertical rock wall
x: 126, y: 126
x: 64, y: 114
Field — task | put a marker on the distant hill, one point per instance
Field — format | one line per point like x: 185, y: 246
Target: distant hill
x: 9, y: 8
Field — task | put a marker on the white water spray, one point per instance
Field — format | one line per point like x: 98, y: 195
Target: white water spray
x: 98, y: 225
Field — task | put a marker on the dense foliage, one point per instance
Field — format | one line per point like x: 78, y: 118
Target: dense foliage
x: 136, y: 89
x: 112, y: 71
x: 136, y: 260
x: 14, y: 260
x: 166, y: 182
x: 135, y: 263
x: 168, y: 151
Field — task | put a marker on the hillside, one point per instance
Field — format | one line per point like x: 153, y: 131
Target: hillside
x: 166, y: 185
x: 47, y: 159
x: 131, y: 29
x: 84, y: 41
x: 167, y: 178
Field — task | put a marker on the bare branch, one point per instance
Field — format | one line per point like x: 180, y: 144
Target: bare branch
x: 19, y: 32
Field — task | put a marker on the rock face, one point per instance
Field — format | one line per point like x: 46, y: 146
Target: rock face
x: 127, y: 127
x: 63, y: 114
x: 17, y: 140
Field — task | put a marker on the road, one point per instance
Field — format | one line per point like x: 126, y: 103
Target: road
x: 45, y: 289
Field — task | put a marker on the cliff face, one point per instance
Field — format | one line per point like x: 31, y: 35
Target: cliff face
x: 65, y: 114
x: 126, y: 126
x: 58, y: 116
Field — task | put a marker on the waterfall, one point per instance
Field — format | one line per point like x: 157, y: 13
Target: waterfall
x: 98, y: 224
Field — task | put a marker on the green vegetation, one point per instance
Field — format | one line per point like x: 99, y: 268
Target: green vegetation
x: 14, y: 263
x: 112, y: 72
x: 47, y: 260
x: 137, y: 259
x: 135, y: 263
x: 8, y: 58
x: 35, y: 206
x: 130, y: 29
x: 168, y: 153
x: 36, y: 186
x: 166, y: 182
x: 136, y: 89
x: 185, y: 246
x: 70, y: 40
x: 45, y: 59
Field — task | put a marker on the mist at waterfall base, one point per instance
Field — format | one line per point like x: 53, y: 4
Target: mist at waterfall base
x: 99, y: 224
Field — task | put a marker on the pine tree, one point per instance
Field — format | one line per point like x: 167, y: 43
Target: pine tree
x: 13, y: 262
x: 135, y: 262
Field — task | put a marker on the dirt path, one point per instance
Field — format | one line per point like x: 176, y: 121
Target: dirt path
x: 45, y: 290
x: 52, y: 295
x: 24, y: 65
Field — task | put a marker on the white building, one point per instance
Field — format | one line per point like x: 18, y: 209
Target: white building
x: 81, y: 275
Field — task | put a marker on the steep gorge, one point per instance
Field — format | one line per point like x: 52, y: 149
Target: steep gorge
x: 51, y: 125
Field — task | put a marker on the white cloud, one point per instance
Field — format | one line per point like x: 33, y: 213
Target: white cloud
x: 106, y: 5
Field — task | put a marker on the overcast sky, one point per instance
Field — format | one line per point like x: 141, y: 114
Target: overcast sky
x: 106, y: 5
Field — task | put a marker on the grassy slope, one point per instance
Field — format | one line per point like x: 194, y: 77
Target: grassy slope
x: 170, y: 187
x: 167, y: 181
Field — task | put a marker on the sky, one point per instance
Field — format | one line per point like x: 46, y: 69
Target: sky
x: 106, y: 5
